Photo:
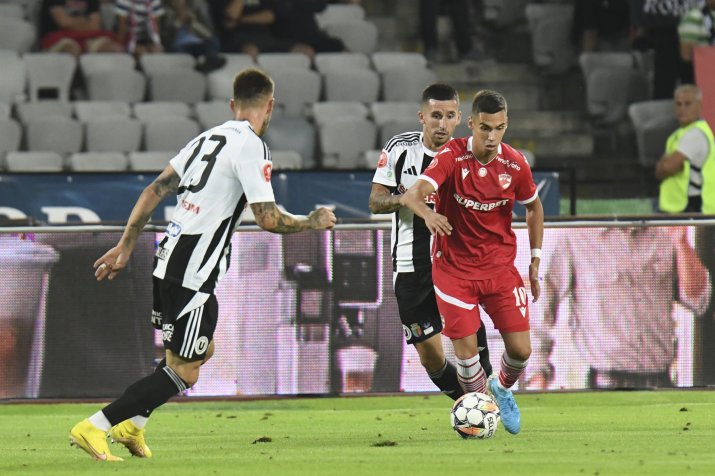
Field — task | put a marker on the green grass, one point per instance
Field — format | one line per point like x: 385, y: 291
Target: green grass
x: 605, y: 433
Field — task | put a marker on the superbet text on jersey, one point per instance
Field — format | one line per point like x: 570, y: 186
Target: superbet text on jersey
x: 478, y: 199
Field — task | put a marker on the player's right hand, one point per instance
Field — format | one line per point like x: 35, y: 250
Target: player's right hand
x: 322, y: 219
x: 438, y: 224
x: 111, y: 263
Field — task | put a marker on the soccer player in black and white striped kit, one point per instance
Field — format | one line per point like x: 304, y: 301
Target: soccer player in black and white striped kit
x: 404, y: 157
x: 215, y: 177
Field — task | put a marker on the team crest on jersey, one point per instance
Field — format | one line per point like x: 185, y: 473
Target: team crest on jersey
x: 173, y: 229
x: 382, y: 161
x: 267, y: 169
x: 504, y: 180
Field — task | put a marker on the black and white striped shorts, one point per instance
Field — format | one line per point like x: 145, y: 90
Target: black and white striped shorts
x: 186, y: 318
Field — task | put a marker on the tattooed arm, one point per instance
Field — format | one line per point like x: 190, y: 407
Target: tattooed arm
x: 270, y: 218
x: 382, y: 200
x: 114, y: 260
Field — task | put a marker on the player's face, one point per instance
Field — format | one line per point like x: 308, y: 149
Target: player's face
x: 439, y: 119
x: 487, y: 132
x: 687, y: 107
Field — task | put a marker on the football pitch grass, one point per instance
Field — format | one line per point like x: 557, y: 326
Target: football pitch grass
x: 600, y: 433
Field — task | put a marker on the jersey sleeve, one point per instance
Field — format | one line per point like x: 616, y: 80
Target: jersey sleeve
x: 253, y: 166
x: 178, y: 162
x: 694, y: 145
x: 525, y: 190
x: 440, y: 169
x: 385, y: 172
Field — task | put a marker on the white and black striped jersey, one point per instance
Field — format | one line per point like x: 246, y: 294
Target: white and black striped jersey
x: 221, y: 171
x: 402, y: 160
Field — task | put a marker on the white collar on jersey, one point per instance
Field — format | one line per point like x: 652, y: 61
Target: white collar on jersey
x: 469, y: 147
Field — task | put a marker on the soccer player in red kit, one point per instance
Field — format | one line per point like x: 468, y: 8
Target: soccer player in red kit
x: 477, y: 180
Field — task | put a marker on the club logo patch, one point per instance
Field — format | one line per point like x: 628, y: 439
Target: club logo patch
x: 201, y: 345
x: 504, y: 180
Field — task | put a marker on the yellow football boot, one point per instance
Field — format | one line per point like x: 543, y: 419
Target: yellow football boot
x: 132, y: 437
x: 86, y: 436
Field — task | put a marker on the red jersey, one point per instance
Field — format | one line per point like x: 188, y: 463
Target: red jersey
x: 477, y: 199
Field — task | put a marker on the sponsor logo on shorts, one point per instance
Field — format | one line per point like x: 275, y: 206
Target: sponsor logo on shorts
x: 167, y: 332
x: 162, y: 253
x: 201, y: 345
x: 156, y: 319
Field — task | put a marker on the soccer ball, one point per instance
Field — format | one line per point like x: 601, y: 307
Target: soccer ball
x: 475, y: 415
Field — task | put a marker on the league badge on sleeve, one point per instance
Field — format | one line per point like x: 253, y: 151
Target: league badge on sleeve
x: 267, y: 170
x: 382, y: 161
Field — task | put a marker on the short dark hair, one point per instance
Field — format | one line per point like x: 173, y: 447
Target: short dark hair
x: 439, y: 92
x: 252, y: 86
x: 489, y: 102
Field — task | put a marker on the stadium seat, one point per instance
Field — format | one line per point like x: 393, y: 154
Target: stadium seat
x: 295, y: 88
x: 58, y: 134
x: 87, y: 111
x: 331, y: 111
x: 343, y: 142
x: 293, y: 60
x: 160, y: 109
x: 10, y: 135
x: 392, y: 128
x: 46, y: 161
x: 383, y: 112
x: 610, y: 91
x: 13, y: 78
x: 172, y: 77
x: 50, y: 75
x: 387, y: 60
x: 325, y: 62
x: 170, y: 133
x: 28, y: 111
x: 155, y: 161
x: 503, y: 13
x: 12, y: 10
x: 653, y: 121
x: 351, y: 85
x: 339, y: 14
x: 16, y: 34
x: 286, y: 159
x: 98, y: 162
x: 357, y: 36
x: 370, y: 158
x: 405, y: 84
x: 112, y: 77
x: 220, y: 82
x: 550, y: 26
x: 113, y: 134
x: 293, y: 133
x: 212, y: 113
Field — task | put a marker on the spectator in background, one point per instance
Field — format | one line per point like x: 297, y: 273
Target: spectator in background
x: 245, y: 26
x: 621, y: 285
x: 295, y: 21
x: 74, y: 26
x: 459, y: 13
x: 696, y: 28
x: 687, y: 169
x: 138, y: 25
x: 601, y: 25
x: 656, y: 23
x: 187, y: 29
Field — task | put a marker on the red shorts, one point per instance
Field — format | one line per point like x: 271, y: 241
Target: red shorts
x: 90, y: 41
x: 502, y: 296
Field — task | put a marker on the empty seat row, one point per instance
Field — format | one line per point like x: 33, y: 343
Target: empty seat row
x: 165, y: 77
x: 140, y: 161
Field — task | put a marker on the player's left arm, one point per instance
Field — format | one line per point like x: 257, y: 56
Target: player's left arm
x: 669, y: 164
x: 693, y: 276
x: 535, y: 225
x: 114, y: 260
